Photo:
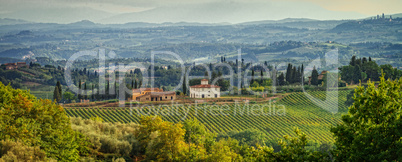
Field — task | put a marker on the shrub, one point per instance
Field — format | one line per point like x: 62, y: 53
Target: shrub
x: 17, y: 151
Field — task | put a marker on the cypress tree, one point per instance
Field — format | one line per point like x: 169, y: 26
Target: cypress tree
x: 107, y: 91
x: 353, y: 61
x: 56, y: 94
x: 93, y: 93
x: 294, y: 75
x: 314, y: 77
x: 252, y: 76
x: 302, y: 73
x: 79, y: 90
x: 184, y: 86
x: 262, y: 75
x: 281, y: 79
x: 60, y: 89
x: 289, y: 73
x: 85, y: 90
x: 115, y: 90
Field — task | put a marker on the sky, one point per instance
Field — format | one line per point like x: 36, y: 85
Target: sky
x: 205, y: 11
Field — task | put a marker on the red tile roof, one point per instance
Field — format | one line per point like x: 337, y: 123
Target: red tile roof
x: 204, y: 79
x: 157, y: 94
x: 147, y: 89
x: 9, y: 64
x: 205, y: 86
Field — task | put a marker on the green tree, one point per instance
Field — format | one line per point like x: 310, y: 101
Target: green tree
x: 184, y: 86
x: 35, y: 122
x: 371, y: 129
x: 17, y: 151
x: 69, y: 96
x: 56, y: 94
x: 357, y: 74
x: 60, y: 89
x: 85, y: 91
x: 249, y: 137
x: 255, y: 84
x: 79, y: 90
x: 346, y: 73
x: 161, y: 140
x: 107, y: 92
x: 281, y: 79
x: 289, y: 73
x: 314, y: 77
x: 388, y: 70
x: 224, y: 150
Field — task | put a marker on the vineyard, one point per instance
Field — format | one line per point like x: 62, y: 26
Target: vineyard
x: 275, y: 119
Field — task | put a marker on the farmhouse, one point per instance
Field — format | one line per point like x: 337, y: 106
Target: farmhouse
x: 152, y: 94
x: 320, y: 77
x: 205, y: 90
x: 11, y: 66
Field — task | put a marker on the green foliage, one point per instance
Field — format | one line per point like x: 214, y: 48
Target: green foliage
x: 249, y: 137
x: 224, y: 150
x: 161, y: 140
x: 390, y: 72
x: 371, y: 129
x: 349, y: 101
x: 255, y: 84
x: 17, y: 151
x: 361, y: 69
x: 281, y: 80
x: 37, y: 123
x: 196, y: 132
x: 69, y: 96
x: 293, y: 149
x: 56, y: 94
x: 314, y: 77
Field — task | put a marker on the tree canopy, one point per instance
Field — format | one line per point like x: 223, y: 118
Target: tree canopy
x: 371, y: 131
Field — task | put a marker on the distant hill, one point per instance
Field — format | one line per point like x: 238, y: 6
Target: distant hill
x: 299, y: 23
x: 277, y: 21
x: 59, y: 14
x: 83, y: 22
x: 380, y: 25
x: 397, y: 15
x: 7, y: 21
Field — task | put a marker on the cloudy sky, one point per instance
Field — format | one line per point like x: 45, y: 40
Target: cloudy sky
x: 207, y: 11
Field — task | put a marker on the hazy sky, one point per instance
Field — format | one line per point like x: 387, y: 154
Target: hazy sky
x: 234, y: 11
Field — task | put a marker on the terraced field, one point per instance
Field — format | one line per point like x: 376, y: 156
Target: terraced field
x: 275, y: 119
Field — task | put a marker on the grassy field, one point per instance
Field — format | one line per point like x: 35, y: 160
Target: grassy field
x: 294, y: 110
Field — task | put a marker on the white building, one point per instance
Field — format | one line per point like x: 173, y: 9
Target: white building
x: 205, y: 90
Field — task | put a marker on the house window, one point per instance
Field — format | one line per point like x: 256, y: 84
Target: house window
x: 171, y: 97
x: 203, y: 96
x: 216, y: 95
